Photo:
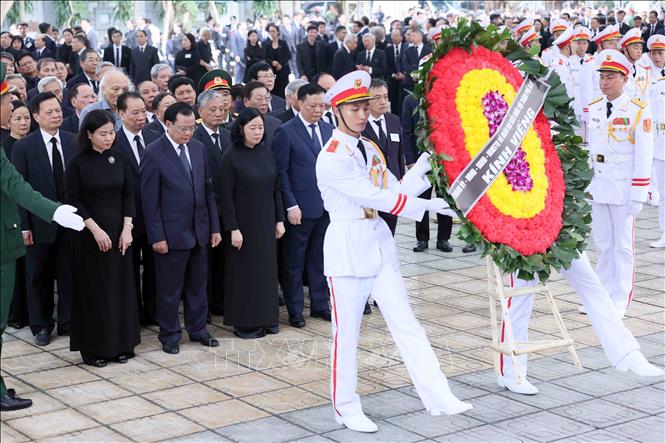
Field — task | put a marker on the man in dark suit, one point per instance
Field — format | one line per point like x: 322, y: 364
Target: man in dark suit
x: 131, y: 140
x: 117, y: 53
x: 81, y: 95
x: 255, y: 95
x: 159, y: 106
x: 181, y: 219
x: 411, y: 57
x: 335, y: 45
x: 344, y: 59
x: 311, y: 55
x: 653, y: 26
x: 385, y: 130
x: 89, y: 59
x: 291, y: 95
x: 216, y: 140
x: 262, y: 72
x: 296, y: 147
x: 396, y: 74
x: 41, y: 50
x: 79, y: 44
x: 372, y: 59
x: 41, y: 157
x: 623, y: 26
x: 144, y: 57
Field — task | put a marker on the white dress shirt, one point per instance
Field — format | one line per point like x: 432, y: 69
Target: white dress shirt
x: 317, y: 130
x: 130, y: 136
x: 211, y: 132
x: 49, y: 147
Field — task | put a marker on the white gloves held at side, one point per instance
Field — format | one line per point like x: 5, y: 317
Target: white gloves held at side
x: 440, y: 206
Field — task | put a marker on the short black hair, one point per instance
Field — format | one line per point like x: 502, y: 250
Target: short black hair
x: 82, y: 38
x: 142, y: 31
x: 23, y: 54
x: 340, y: 28
x: 378, y: 83
x: 86, y: 52
x: 309, y: 89
x: 251, y: 86
x: 253, y: 73
x: 176, y: 109
x: 116, y: 31
x: 158, y: 99
x: 244, y: 117
x: 313, y: 26
x: 16, y: 104
x: 494, y: 16
x: 38, y: 99
x: 93, y: 120
x: 122, y: 99
x: 236, y: 91
x: 179, y: 80
x: 43, y: 27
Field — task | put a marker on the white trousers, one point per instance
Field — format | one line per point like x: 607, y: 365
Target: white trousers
x: 348, y: 296
x: 613, y: 230
x: 659, y: 183
x: 617, y: 341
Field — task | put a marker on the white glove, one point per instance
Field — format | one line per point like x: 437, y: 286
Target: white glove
x: 64, y: 216
x: 634, y: 208
x: 422, y: 165
x: 440, y: 206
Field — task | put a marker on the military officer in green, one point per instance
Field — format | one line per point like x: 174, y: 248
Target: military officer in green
x: 14, y: 190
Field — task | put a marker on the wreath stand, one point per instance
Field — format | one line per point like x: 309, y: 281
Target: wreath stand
x: 499, y: 292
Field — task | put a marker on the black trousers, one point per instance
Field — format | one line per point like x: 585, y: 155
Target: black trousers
x: 46, y: 263
x: 444, y: 228
x: 216, y: 280
x: 142, y: 255
x: 395, y: 95
x: 18, y: 311
x: 391, y: 221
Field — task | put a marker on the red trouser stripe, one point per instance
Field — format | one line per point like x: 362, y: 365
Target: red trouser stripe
x: 632, y: 281
x: 334, y: 368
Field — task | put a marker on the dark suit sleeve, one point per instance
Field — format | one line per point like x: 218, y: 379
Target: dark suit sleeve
x: 299, y: 60
x: 229, y: 219
x: 14, y: 186
x: 150, y: 199
x: 408, y: 131
x: 155, y: 58
x: 380, y: 69
x: 281, y: 149
x: 73, y: 189
x: 129, y: 208
x: 336, y: 64
x: 284, y: 54
x: 211, y: 197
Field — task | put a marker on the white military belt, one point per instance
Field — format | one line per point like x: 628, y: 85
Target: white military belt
x: 351, y: 214
x: 612, y: 158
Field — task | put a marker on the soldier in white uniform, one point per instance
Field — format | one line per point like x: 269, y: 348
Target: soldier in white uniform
x: 621, y: 149
x: 639, y: 78
x: 360, y: 256
x: 656, y: 57
x: 530, y: 39
x: 589, y: 76
x: 561, y: 63
x: 521, y: 28
x: 579, y: 48
x: 557, y: 27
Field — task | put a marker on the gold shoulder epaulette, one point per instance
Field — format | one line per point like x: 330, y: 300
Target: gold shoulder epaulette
x: 638, y: 102
x: 595, y: 101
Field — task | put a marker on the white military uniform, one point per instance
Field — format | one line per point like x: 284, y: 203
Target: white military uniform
x: 657, y: 90
x: 360, y: 258
x: 621, y: 149
x: 639, y: 78
x: 617, y: 341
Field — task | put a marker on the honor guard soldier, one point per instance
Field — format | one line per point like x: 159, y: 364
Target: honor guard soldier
x: 15, y: 190
x: 579, y: 47
x: 557, y: 27
x: 561, y: 63
x: 640, y: 73
x: 608, y: 38
x: 656, y: 56
x: 219, y: 80
x: 523, y: 27
x: 360, y: 256
x: 530, y: 39
x: 621, y: 149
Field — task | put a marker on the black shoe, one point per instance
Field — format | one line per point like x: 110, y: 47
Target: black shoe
x: 208, y: 319
x: 368, y: 309
x: 272, y: 329
x: 43, y: 337
x: 11, y: 392
x: 375, y: 304
x: 206, y: 340
x: 64, y: 332
x: 96, y: 362
x: 324, y: 315
x: 149, y: 321
x: 297, y: 321
x: 171, y: 348
x: 10, y: 403
x: 444, y: 246
x: 281, y: 301
x: 17, y: 324
x: 249, y: 333
x: 129, y: 354
x: 420, y: 246
x: 121, y: 358
x: 468, y: 248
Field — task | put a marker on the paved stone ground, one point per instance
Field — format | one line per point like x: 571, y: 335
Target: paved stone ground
x: 276, y: 389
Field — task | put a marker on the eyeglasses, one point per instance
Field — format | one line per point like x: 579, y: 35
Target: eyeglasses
x: 262, y: 98
x: 185, y: 129
x: 267, y: 76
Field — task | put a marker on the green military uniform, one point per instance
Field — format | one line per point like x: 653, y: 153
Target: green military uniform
x: 218, y: 79
x: 15, y: 191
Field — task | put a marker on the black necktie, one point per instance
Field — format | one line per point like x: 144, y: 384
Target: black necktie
x: 58, y: 171
x: 369, y: 60
x: 215, y: 137
x: 117, y: 57
x: 609, y: 109
x: 581, y: 61
x: 361, y: 146
x: 330, y: 118
x: 382, y: 135
x: 315, y: 139
x: 142, y: 48
x: 184, y: 161
x: 634, y: 70
x: 139, y: 145
x: 653, y: 30
x: 662, y: 72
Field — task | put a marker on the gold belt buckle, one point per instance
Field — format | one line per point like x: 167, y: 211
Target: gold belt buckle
x: 369, y: 213
x: 600, y: 158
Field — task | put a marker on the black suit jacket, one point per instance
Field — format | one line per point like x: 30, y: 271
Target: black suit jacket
x: 30, y: 158
x: 81, y: 78
x: 331, y: 49
x: 141, y: 63
x: 393, y: 149
x: 214, y: 156
x: 71, y: 123
x: 271, y: 124
x: 305, y: 64
x: 378, y: 63
x: 125, y: 56
x: 343, y: 63
x: 623, y: 28
x: 395, y: 66
x: 122, y: 144
x: 46, y: 53
x: 284, y: 115
x: 155, y: 127
x: 410, y: 59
